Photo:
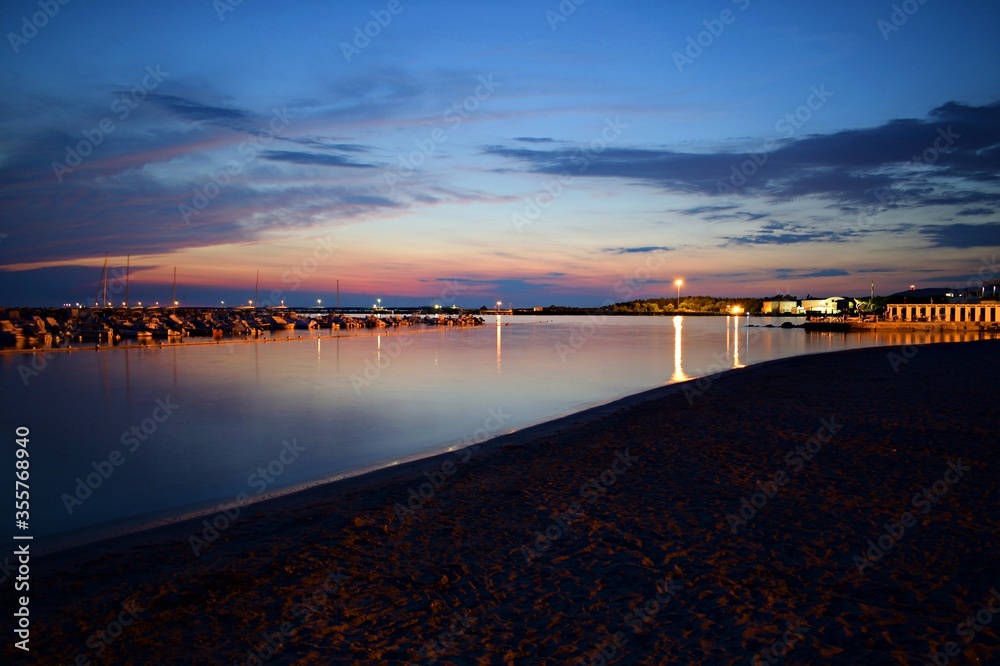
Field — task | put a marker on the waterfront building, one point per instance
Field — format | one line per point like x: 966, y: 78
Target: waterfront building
x: 983, y: 312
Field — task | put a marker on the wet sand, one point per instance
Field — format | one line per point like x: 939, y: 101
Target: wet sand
x: 841, y: 508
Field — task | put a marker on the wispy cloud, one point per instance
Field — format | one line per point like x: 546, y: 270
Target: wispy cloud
x: 195, y: 111
x: 955, y: 146
x: 975, y: 212
x: 800, y: 274
x: 963, y: 235
x: 314, y: 159
x: 638, y: 250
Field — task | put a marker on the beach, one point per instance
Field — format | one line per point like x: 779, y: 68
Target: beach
x: 837, y: 508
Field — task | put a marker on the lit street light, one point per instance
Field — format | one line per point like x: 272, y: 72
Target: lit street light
x: 678, y: 282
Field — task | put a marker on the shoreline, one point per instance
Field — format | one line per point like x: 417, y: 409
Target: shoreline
x: 411, y: 466
x: 469, y: 551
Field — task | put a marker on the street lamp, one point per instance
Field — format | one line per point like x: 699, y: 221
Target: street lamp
x: 678, y: 282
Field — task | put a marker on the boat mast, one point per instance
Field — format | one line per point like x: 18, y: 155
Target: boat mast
x: 103, y: 281
x: 256, y: 288
x: 104, y: 276
x: 173, y: 296
x: 128, y: 258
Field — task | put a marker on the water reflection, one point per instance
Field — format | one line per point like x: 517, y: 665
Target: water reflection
x: 736, y: 342
x: 498, y: 344
x: 678, y: 375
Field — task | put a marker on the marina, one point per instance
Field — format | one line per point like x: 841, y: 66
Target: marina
x: 68, y: 328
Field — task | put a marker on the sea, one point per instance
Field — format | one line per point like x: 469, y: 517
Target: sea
x: 125, y: 438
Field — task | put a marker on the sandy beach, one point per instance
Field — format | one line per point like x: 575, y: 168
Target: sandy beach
x: 840, y: 508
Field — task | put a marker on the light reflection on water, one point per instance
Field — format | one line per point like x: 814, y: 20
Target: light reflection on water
x: 262, y: 417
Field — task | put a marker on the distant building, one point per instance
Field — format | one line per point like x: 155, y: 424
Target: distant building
x: 780, y: 307
x: 827, y: 306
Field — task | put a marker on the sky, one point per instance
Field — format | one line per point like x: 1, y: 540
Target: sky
x: 533, y: 152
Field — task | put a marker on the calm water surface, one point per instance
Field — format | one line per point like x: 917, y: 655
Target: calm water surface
x: 125, y: 437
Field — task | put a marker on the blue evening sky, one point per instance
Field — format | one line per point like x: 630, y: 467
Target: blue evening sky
x: 533, y: 152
